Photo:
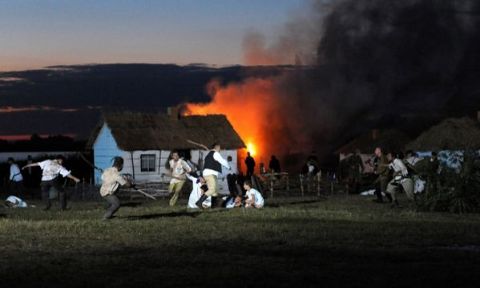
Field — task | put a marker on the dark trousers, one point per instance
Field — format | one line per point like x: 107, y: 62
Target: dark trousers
x: 381, y: 186
x: 114, y: 205
x: 231, y: 181
x: 53, y: 186
x: 17, y: 189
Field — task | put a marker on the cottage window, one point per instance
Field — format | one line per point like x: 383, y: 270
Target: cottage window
x: 147, y: 162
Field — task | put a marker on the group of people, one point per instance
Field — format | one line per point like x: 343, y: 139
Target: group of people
x: 397, y: 172
x: 205, y: 188
x: 51, y: 185
x: 204, y: 194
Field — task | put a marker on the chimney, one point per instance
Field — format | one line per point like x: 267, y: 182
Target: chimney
x: 375, y: 134
x: 173, y: 112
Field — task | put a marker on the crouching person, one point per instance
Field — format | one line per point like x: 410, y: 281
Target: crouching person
x: 400, y: 179
x: 254, y: 198
x: 111, y: 182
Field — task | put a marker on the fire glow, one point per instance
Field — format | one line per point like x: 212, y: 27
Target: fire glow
x: 249, y: 106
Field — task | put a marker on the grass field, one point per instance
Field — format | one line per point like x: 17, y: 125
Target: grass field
x: 333, y: 242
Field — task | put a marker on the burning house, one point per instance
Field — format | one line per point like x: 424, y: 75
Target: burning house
x: 146, y: 140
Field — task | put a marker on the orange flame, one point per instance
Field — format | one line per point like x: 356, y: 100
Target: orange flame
x: 249, y: 106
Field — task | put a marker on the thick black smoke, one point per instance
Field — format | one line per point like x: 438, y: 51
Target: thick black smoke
x: 383, y: 64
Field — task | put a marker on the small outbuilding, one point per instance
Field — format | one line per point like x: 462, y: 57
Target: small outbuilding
x: 145, y: 141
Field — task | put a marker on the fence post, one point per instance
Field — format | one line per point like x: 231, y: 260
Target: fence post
x: 301, y: 184
x: 319, y: 179
x: 271, y: 187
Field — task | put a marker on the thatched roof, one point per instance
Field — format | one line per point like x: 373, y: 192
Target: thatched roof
x: 388, y: 140
x: 450, y: 134
x: 145, y: 131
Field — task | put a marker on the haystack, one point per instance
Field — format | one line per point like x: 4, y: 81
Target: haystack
x: 451, y: 134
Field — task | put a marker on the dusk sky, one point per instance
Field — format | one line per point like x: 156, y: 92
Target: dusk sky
x: 35, y: 34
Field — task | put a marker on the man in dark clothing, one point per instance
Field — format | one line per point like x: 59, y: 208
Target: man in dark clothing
x: 383, y: 173
x: 250, y: 163
x: 232, y: 178
x: 274, y: 165
x: 355, y: 170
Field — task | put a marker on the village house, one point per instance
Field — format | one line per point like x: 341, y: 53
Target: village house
x: 145, y: 141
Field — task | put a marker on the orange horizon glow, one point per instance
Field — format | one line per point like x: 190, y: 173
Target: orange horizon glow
x: 26, y: 137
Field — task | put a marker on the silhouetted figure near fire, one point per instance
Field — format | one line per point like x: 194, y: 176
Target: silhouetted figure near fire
x: 250, y: 163
x: 274, y: 165
x: 232, y: 178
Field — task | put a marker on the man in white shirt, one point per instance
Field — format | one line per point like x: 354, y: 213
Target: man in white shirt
x: 400, y: 179
x: 212, y: 168
x: 111, y: 182
x: 16, y: 178
x: 51, y: 169
x: 178, y: 169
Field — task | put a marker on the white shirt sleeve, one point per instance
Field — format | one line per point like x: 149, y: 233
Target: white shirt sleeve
x: 186, y: 167
x: 220, y: 159
x: 64, y: 172
x: 43, y: 164
x: 12, y: 172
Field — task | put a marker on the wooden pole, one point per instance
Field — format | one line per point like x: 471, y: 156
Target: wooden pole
x: 319, y: 178
x: 301, y: 184
x: 271, y: 187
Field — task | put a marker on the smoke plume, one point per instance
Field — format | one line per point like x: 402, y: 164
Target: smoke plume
x: 361, y: 64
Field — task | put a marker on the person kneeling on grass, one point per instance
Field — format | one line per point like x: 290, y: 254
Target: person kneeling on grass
x: 198, y: 189
x: 254, y: 198
x: 111, y: 182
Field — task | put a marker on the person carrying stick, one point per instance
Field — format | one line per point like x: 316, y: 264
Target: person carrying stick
x: 178, y: 169
x: 212, y: 168
x: 111, y: 182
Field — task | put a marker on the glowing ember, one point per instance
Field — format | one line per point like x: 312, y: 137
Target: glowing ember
x: 251, y: 148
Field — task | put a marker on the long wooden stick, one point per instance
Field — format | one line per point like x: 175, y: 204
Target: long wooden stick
x: 198, y: 144
x: 144, y: 193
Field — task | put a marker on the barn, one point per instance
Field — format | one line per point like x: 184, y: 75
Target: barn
x: 145, y: 140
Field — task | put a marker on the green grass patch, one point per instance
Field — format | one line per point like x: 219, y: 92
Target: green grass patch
x: 335, y: 241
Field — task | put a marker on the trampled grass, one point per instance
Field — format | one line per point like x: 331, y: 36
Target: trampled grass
x: 335, y: 241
